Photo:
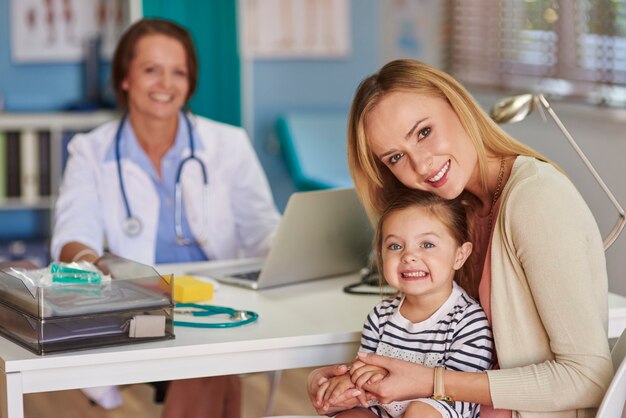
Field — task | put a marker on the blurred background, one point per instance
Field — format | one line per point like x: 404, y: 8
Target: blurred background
x: 286, y: 70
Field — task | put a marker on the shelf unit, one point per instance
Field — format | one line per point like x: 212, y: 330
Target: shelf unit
x: 23, y: 219
x: 56, y: 123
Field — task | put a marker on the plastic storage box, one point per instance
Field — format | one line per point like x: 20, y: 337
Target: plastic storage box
x: 135, y: 306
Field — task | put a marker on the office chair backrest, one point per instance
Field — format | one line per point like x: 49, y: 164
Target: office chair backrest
x: 613, y: 402
x: 618, y: 352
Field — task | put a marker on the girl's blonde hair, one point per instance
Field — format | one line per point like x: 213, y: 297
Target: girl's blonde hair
x: 454, y: 214
x: 375, y: 184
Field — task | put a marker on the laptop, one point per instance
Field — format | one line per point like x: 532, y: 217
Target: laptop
x: 322, y: 233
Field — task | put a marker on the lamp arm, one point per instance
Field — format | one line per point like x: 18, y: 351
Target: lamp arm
x: 617, y: 229
x: 621, y: 222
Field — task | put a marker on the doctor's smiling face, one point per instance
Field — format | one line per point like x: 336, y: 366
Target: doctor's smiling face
x: 157, y: 82
x: 420, y: 139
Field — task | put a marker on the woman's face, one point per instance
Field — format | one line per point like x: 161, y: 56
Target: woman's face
x: 157, y: 82
x: 421, y: 141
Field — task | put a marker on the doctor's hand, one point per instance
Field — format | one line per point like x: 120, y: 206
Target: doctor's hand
x: 404, y: 380
x: 318, y: 383
x: 77, y: 251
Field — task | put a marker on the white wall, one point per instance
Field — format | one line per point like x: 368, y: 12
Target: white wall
x: 600, y: 134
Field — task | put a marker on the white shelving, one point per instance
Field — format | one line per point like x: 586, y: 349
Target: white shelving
x: 56, y: 123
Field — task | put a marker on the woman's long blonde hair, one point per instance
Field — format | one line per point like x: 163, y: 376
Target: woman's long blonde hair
x: 375, y: 184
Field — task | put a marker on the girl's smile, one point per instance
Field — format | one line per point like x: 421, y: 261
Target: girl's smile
x: 413, y: 275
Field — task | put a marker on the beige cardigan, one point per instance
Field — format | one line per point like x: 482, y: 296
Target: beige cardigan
x: 548, y: 298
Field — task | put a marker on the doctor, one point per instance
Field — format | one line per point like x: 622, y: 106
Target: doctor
x: 161, y: 185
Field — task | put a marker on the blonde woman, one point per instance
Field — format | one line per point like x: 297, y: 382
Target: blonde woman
x: 539, y: 259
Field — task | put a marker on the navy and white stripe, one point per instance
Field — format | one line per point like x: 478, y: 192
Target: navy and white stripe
x: 456, y: 336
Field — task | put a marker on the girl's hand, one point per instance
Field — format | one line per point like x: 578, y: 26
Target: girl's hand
x: 318, y: 383
x: 362, y: 373
x: 356, y: 364
x: 404, y: 380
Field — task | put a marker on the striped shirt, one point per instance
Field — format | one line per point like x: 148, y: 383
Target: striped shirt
x: 456, y: 336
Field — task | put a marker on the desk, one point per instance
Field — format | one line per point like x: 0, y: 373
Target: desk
x: 303, y: 325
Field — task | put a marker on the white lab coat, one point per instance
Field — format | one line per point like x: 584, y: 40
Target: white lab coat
x: 242, y: 217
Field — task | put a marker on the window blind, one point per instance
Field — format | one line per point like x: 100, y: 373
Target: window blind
x: 561, y: 47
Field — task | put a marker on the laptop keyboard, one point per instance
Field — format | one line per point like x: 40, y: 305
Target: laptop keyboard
x: 250, y: 275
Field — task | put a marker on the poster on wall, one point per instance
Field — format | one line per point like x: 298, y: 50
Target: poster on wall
x: 413, y: 29
x: 58, y: 30
x: 295, y: 28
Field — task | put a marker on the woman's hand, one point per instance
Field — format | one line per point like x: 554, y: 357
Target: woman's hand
x: 338, y: 390
x: 318, y: 383
x: 404, y: 380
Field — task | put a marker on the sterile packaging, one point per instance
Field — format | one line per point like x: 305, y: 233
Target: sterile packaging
x: 69, y: 307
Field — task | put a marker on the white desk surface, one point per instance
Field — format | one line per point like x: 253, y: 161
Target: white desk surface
x: 302, y: 325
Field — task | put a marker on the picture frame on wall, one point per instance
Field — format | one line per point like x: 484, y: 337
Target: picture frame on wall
x: 58, y: 30
x: 294, y: 28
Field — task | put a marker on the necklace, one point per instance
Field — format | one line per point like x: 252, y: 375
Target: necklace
x: 496, y: 195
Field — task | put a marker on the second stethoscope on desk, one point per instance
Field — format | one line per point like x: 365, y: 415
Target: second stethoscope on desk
x: 235, y: 317
x: 132, y: 225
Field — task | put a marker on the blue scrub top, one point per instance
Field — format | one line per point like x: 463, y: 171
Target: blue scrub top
x: 167, y: 250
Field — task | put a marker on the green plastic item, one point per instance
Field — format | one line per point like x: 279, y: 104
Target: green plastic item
x: 69, y: 275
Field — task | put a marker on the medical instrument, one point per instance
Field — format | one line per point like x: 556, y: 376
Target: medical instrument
x: 369, y: 284
x: 132, y: 225
x: 237, y: 317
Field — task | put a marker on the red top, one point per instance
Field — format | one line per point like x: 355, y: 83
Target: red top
x: 482, y: 244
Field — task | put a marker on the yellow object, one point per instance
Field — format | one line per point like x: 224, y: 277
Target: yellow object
x: 188, y: 289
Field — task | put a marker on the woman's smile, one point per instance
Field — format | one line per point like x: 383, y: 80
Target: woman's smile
x: 162, y: 97
x: 440, y: 178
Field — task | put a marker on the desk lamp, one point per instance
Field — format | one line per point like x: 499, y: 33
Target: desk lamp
x: 517, y: 108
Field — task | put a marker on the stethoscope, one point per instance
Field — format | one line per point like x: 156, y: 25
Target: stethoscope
x: 132, y: 225
x: 237, y: 317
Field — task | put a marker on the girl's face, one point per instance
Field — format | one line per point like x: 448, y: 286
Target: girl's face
x: 157, y: 82
x: 419, y: 254
x: 422, y: 142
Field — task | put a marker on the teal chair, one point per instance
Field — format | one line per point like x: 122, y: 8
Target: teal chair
x: 314, y: 148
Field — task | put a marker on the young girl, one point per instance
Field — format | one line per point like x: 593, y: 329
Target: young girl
x: 423, y: 243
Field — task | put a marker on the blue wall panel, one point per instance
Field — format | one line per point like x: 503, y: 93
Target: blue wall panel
x: 286, y: 85
x: 35, y: 87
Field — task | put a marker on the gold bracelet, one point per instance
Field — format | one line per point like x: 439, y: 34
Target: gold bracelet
x: 439, y: 392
